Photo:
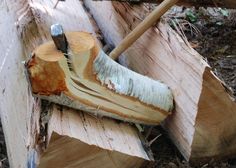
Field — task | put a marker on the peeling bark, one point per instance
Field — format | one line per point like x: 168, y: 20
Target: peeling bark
x: 97, y: 83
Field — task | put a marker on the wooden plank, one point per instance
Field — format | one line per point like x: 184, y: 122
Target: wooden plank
x: 19, y: 111
x: 203, y: 123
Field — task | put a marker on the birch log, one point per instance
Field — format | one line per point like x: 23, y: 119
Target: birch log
x: 23, y: 27
x: 203, y: 124
x: 91, y: 81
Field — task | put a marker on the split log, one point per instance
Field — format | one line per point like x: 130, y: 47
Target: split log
x: 203, y: 124
x: 77, y: 139
x: 89, y: 80
x: 24, y: 27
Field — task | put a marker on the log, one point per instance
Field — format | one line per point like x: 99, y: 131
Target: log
x: 76, y: 139
x: 89, y: 80
x: 203, y: 124
x: 31, y: 143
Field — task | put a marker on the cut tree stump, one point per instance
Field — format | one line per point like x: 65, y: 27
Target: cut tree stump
x: 203, y: 124
x: 72, y: 138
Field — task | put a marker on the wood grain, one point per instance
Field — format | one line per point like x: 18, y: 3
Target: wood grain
x: 23, y: 27
x: 90, y: 142
x: 203, y: 123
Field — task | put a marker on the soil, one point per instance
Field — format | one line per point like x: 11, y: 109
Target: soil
x: 212, y: 32
x: 167, y: 155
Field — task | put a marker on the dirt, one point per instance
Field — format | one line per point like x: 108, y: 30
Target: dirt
x: 212, y: 32
x: 167, y: 155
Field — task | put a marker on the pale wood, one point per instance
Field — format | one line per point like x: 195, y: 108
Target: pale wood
x: 79, y: 140
x: 23, y: 27
x: 203, y: 123
x: 142, y: 27
x: 18, y: 110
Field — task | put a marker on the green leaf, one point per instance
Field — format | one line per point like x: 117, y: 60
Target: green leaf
x: 191, y: 16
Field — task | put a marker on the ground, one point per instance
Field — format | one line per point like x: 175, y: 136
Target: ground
x: 212, y: 32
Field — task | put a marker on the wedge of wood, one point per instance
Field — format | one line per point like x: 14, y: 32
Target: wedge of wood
x: 91, y: 81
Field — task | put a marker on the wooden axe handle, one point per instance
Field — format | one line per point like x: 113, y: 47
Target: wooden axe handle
x: 142, y: 27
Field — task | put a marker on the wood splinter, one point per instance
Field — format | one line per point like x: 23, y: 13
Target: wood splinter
x: 88, y: 79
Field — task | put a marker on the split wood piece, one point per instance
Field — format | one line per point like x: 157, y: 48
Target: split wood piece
x: 89, y: 80
x: 76, y: 139
x: 19, y: 111
x: 203, y: 124
x: 142, y: 27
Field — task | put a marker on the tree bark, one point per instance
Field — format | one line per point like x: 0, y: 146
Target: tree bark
x: 203, y: 122
x: 89, y: 80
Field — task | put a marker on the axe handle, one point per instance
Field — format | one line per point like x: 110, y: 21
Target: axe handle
x: 142, y: 27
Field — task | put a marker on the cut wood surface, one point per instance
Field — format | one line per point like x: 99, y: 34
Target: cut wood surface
x: 79, y: 140
x: 89, y: 80
x: 24, y: 27
x: 203, y: 124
